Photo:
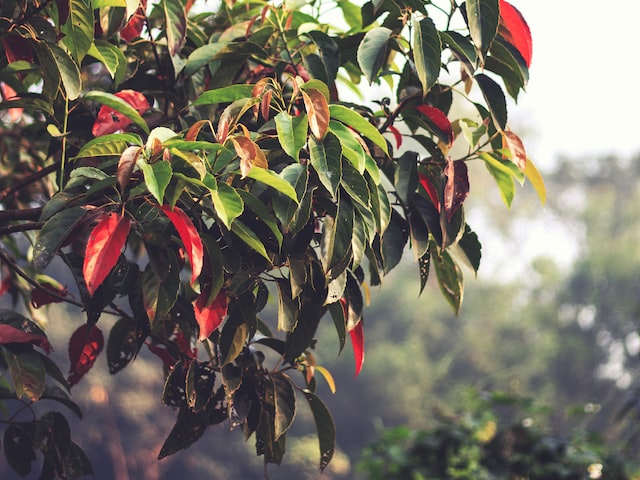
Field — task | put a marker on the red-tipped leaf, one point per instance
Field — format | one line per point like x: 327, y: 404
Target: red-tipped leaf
x: 357, y: 342
x: 210, y: 316
x: 514, y: 29
x: 439, y: 120
x: 104, y: 247
x: 430, y: 189
x: 190, y: 238
x: 85, y: 345
x: 9, y: 334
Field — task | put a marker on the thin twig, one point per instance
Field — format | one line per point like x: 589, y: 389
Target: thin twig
x: 21, y: 227
x: 32, y: 178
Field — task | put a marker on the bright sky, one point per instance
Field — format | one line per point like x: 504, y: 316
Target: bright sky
x: 583, y: 96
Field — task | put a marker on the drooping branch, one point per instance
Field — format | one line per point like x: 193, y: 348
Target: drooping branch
x: 20, y: 227
x: 20, y: 214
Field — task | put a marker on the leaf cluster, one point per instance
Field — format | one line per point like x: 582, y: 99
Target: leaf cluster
x: 201, y: 163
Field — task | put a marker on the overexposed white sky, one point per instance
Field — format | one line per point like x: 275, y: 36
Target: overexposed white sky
x: 583, y: 93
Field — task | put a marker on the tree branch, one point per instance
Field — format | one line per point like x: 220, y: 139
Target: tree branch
x: 21, y: 227
x: 20, y: 214
x: 34, y: 177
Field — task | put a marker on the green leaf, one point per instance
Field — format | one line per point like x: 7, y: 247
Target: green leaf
x: 28, y: 103
x: 372, y: 51
x: 188, y: 429
x: 424, y: 265
x: 351, y: 148
x: 263, y: 213
x: 53, y: 234
x: 118, y: 105
x: 249, y: 237
x: 355, y: 185
x: 336, y: 238
x: 288, y: 307
x: 111, y: 57
x: 78, y: 30
x: 224, y: 95
x: 461, y: 45
x: 503, y: 178
x: 292, y: 133
x: 157, y: 177
x: 324, y: 426
x: 111, y: 145
x: 361, y: 125
x: 337, y: 314
x: 96, y: 4
x: 272, y: 179
x: 285, y: 209
x: 285, y: 403
x: 176, y: 24
x: 202, y: 56
x: 406, y: 176
x: 326, y: 159
x: 122, y: 345
x: 159, y: 296
x: 27, y: 372
x: 483, y: 19
x: 427, y: 52
x: 69, y: 71
x: 393, y: 241
x: 536, y: 180
x: 493, y: 95
x: 449, y: 277
x: 18, y: 446
x: 226, y: 201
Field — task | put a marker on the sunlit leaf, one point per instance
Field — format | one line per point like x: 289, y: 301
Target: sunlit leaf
x: 104, y: 246
x: 227, y: 202
x: 157, y: 177
x: 210, y: 314
x: 78, y: 30
x: 515, y: 30
x: 317, y: 110
x: 356, y: 121
x: 176, y: 24
x: 118, y: 110
x: 292, y: 133
x: 275, y: 181
x: 536, y: 180
x: 224, y: 95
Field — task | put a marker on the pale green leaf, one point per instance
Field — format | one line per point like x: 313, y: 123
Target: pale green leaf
x: 361, y: 125
x: 292, y: 133
x: 275, y: 181
x: 69, y: 71
x: 78, y: 30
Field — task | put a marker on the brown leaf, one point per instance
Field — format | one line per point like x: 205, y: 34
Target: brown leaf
x: 125, y: 165
x: 318, y: 112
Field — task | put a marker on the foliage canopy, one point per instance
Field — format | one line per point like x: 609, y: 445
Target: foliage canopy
x: 178, y: 166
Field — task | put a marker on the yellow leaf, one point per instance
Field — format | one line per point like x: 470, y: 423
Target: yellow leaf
x: 328, y: 377
x: 532, y: 173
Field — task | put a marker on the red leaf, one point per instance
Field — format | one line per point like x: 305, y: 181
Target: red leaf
x: 209, y: 317
x: 162, y: 353
x: 110, y: 121
x: 357, y: 341
x: 104, y: 247
x: 134, y: 26
x: 396, y: 135
x: 85, y: 345
x: 9, y: 93
x: 457, y: 188
x: 17, y: 48
x: 41, y: 295
x: 5, y: 279
x: 439, y: 120
x: 514, y: 29
x: 9, y: 334
x: 190, y: 238
x: 430, y: 189
x: 515, y: 145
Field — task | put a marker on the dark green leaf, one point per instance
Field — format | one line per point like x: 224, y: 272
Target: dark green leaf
x: 174, y: 392
x: 427, y: 51
x: 449, y: 277
x: 424, y: 265
x: 373, y: 51
x: 160, y: 296
x: 285, y: 403
x: 419, y: 234
x: 122, y: 345
x: 393, y: 241
x: 53, y: 234
x: 336, y: 238
x: 272, y: 179
x: 326, y: 159
x: 471, y: 247
x: 203, y: 55
x: 285, y: 209
x: 18, y: 447
x: 263, y: 213
x: 494, y: 97
x: 461, y: 45
x: 355, y: 185
x: 234, y: 336
x: 199, y: 385
x: 288, y: 307
x: 325, y: 427
x: 483, y: 19
x: 406, y: 176
x: 337, y: 314
x: 188, y: 429
x: 249, y: 237
x: 69, y: 71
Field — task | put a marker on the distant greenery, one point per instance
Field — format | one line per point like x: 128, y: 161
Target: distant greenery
x: 480, y: 444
